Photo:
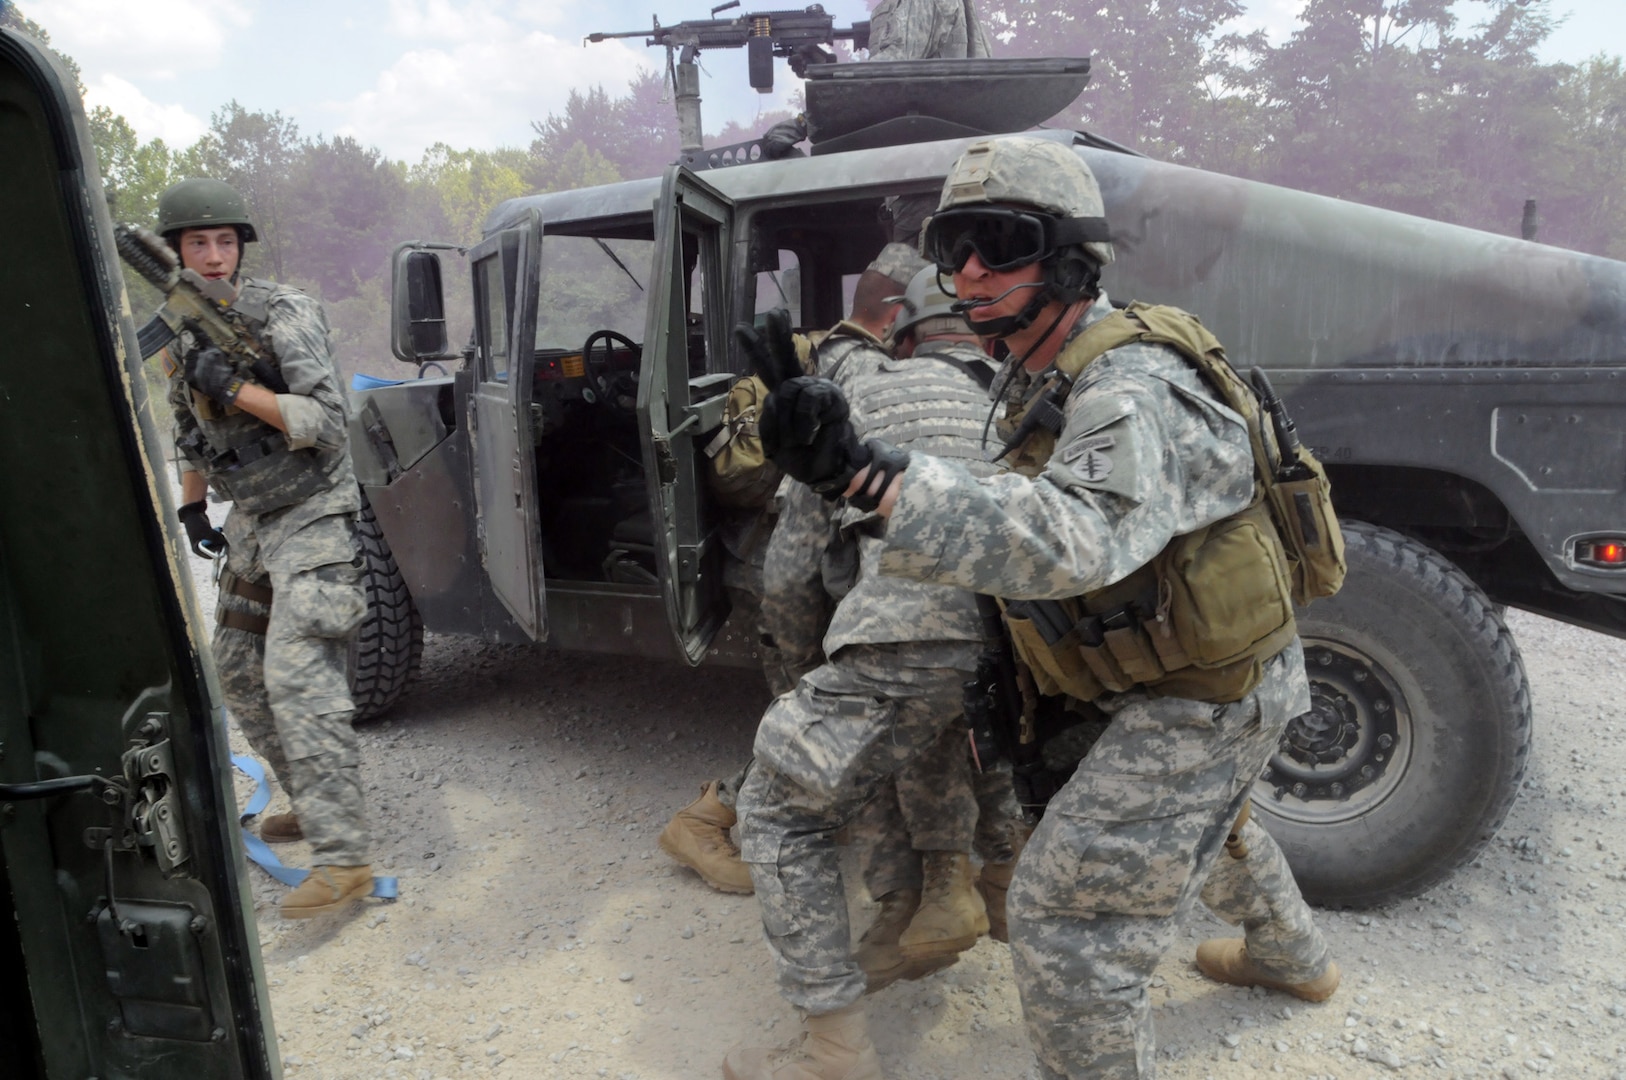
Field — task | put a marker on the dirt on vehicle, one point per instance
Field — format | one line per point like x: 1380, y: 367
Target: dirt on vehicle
x: 517, y: 794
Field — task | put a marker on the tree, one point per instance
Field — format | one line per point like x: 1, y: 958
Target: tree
x: 134, y: 173
x: 343, y: 206
x: 458, y: 188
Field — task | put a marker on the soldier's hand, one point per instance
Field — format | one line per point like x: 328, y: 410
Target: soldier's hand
x: 211, y: 373
x: 780, y: 140
x: 207, y: 541
x: 772, y: 349
x: 806, y: 431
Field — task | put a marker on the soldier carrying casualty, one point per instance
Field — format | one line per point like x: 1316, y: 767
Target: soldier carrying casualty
x: 698, y: 835
x: 1143, y: 491
x: 260, y: 417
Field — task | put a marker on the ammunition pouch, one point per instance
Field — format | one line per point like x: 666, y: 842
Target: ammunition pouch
x: 1197, y: 622
x: 261, y: 473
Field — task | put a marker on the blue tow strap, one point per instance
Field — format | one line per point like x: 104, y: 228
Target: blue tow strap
x: 259, y: 853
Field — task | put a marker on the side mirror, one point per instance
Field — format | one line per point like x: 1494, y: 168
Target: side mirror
x: 418, y: 304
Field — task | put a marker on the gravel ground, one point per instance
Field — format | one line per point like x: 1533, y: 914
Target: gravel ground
x: 517, y: 794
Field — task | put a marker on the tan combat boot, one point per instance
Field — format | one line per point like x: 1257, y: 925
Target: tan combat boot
x: 834, y: 1046
x: 327, y: 889
x: 1226, y: 960
x: 952, y: 915
x: 994, y: 884
x: 281, y: 829
x: 878, y: 954
x: 697, y: 837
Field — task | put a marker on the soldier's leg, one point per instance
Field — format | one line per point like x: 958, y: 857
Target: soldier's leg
x: 887, y: 861
x: 319, y: 603
x: 1120, y: 855
x: 939, y: 809
x: 821, y: 751
x: 1002, y: 831
x: 242, y: 615
x: 1252, y: 886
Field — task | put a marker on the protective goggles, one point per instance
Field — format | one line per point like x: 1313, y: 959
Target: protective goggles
x: 1002, y: 238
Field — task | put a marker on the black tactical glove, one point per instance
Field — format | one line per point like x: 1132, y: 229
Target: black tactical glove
x: 805, y: 431
x: 207, y: 541
x: 211, y: 373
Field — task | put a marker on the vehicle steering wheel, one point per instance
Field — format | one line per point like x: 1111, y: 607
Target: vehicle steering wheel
x: 618, y: 390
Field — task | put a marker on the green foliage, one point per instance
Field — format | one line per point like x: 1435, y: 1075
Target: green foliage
x: 133, y: 172
x: 458, y: 188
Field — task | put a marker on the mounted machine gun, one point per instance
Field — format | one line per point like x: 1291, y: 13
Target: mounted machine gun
x: 801, y: 37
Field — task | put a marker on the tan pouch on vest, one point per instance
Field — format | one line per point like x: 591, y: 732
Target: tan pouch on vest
x: 741, y: 474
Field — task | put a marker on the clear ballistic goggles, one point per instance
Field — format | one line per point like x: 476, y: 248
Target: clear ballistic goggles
x: 1002, y: 238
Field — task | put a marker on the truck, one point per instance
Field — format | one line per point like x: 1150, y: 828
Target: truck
x: 1466, y: 392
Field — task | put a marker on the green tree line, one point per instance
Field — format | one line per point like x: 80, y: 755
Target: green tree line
x: 1396, y: 103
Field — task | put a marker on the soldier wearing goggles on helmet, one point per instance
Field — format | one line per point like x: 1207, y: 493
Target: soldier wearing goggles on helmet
x: 1130, y: 492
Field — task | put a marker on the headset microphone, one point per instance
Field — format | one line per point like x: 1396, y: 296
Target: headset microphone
x: 965, y: 307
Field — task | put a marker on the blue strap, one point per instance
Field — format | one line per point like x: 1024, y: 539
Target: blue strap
x: 259, y: 853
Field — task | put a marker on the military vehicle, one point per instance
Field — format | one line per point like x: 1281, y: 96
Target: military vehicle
x: 1466, y: 391
x: 126, y: 928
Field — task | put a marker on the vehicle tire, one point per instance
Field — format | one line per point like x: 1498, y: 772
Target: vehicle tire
x: 1415, y: 746
x: 385, y: 652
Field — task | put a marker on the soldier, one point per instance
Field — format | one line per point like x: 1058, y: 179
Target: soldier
x: 698, y: 835
x: 1130, y: 461
x: 896, y: 657
x: 273, y: 443
x: 935, y: 804
x: 926, y: 30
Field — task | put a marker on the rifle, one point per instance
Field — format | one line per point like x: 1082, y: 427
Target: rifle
x: 1001, y: 720
x: 191, y: 302
x: 799, y: 36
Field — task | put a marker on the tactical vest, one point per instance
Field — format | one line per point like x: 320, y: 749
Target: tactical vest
x: 246, y: 460
x: 1203, y: 616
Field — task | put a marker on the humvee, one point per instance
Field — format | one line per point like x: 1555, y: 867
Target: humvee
x: 127, y: 945
x: 1466, y: 391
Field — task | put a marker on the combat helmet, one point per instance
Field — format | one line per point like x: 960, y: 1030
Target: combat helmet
x: 1016, y: 201
x: 926, y: 299
x: 201, y: 203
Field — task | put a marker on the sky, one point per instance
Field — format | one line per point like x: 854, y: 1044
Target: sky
x: 402, y: 75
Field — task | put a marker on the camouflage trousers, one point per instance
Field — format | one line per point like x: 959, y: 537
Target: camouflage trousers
x: 1124, y: 852
x: 937, y: 802
x: 822, y: 751
x: 288, y: 686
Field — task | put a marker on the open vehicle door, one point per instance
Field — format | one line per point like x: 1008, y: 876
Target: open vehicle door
x: 126, y: 939
x: 681, y: 391
x: 507, y: 274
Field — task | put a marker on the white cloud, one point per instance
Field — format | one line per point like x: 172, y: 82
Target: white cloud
x: 156, y: 36
x: 446, y: 21
x: 481, y: 93
x: 151, y: 120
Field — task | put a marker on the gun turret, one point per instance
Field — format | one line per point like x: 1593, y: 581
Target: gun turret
x: 802, y: 37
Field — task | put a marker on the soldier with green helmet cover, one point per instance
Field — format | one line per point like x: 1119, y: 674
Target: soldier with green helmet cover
x: 272, y: 441
x: 1131, y: 500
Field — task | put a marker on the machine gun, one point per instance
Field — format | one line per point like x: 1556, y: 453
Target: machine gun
x: 191, y: 302
x: 799, y: 36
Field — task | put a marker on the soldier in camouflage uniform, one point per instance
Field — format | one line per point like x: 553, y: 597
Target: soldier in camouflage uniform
x: 1143, y: 457
x: 926, y: 30
x: 273, y: 442
x: 897, y: 655
x: 698, y: 835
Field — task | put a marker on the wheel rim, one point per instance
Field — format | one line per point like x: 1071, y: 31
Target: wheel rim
x: 1347, y: 754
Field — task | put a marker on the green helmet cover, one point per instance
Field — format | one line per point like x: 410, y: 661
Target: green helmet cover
x: 201, y: 203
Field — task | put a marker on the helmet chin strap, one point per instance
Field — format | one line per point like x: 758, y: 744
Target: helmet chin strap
x: 1005, y: 325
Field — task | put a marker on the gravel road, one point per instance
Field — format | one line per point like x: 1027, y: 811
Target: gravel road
x: 517, y: 795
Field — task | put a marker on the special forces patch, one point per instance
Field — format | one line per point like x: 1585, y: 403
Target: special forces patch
x: 1087, y: 458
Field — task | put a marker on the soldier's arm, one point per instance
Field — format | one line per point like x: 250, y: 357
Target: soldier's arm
x: 795, y: 607
x: 1137, y: 463
x: 182, y: 425
x: 313, y: 411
